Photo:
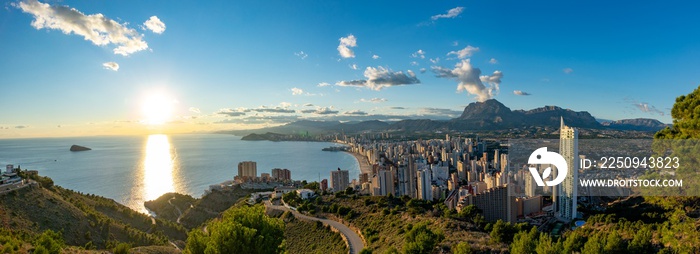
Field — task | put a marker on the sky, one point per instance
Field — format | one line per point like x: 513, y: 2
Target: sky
x: 75, y: 68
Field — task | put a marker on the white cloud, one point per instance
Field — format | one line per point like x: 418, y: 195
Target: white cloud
x: 355, y: 113
x: 320, y: 111
x: 469, y: 79
x: 452, y: 13
x: 345, y: 44
x: 465, y: 52
x: 419, y: 54
x: 374, y: 100
x: 353, y: 66
x: 308, y: 105
x: 301, y: 55
x: 195, y: 110
x: 95, y: 28
x: 375, y: 57
x: 297, y: 91
x: 111, y: 66
x: 422, y: 70
x: 435, y: 61
x: 414, y: 63
x: 518, y: 92
x: 322, y: 84
x: 155, y: 25
x: 455, y: 43
x: 568, y: 70
x: 645, y: 107
x: 380, y: 77
x: 493, y: 61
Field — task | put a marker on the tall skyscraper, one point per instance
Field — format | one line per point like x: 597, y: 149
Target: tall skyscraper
x: 340, y: 179
x: 567, y: 192
x: 424, y: 178
x: 385, y: 183
x: 247, y: 169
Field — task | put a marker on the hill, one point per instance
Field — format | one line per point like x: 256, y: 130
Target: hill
x: 490, y: 115
x: 637, y: 124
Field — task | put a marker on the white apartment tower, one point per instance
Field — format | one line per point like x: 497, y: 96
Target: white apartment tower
x: 567, y: 192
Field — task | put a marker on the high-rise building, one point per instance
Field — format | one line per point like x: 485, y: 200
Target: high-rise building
x: 247, y: 170
x: 385, y: 183
x: 496, y: 204
x: 530, y: 187
x: 567, y: 192
x: 340, y: 179
x: 324, y: 184
x: 406, y: 176
x: 282, y: 175
x: 424, y: 179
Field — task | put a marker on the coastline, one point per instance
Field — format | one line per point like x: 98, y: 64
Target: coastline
x: 365, y: 167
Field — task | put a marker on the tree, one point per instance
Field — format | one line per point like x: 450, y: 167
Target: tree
x: 641, y: 242
x: 546, y: 245
x: 686, y: 118
x: 525, y: 242
x: 462, y: 248
x: 122, y: 248
x: 573, y: 242
x: 50, y: 241
x: 241, y: 230
x: 421, y: 240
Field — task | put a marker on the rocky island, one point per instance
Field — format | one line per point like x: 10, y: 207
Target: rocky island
x: 77, y: 148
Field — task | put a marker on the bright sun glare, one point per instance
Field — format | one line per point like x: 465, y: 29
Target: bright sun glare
x: 157, y: 109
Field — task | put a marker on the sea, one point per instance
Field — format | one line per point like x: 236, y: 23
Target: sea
x: 133, y: 169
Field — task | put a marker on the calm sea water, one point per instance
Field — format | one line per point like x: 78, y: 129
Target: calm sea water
x: 132, y: 169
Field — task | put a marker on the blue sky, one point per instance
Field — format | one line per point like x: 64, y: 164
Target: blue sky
x: 245, y: 64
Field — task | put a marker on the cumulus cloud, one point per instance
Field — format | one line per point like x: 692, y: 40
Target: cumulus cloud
x: 355, y: 113
x: 469, y: 79
x: 465, y: 52
x: 345, y: 44
x: 568, y: 70
x: 374, y: 100
x: 282, y: 110
x: 111, y: 66
x: 439, y: 112
x: 422, y: 70
x: 353, y: 66
x: 301, y: 55
x: 297, y: 91
x: 321, y: 111
x: 645, y: 107
x: 232, y: 112
x: 435, y: 61
x: 95, y: 28
x: 493, y: 61
x: 375, y: 57
x: 195, y: 110
x: 380, y: 78
x: 155, y: 25
x: 322, y: 84
x: 452, y: 13
x: 419, y: 54
x: 518, y: 92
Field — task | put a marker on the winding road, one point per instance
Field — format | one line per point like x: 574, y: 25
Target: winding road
x: 355, y: 244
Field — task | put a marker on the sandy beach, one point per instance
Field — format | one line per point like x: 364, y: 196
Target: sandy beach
x: 365, y: 167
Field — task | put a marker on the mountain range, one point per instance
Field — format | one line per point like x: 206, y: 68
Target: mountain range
x: 477, y: 116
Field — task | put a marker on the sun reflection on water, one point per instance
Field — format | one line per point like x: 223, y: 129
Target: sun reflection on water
x: 158, y: 167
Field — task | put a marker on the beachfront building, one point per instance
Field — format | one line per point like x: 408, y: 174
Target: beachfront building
x: 340, y: 180
x: 247, y: 170
x: 281, y: 175
x: 567, y: 192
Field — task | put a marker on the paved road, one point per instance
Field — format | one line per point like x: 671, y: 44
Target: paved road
x: 355, y: 243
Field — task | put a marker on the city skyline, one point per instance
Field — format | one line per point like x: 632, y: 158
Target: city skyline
x: 111, y: 68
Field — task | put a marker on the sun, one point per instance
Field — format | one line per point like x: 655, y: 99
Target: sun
x: 157, y: 109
